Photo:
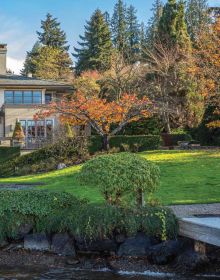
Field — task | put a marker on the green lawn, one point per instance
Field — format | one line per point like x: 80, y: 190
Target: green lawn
x: 186, y: 177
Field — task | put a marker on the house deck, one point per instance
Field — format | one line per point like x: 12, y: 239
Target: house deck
x: 205, y: 229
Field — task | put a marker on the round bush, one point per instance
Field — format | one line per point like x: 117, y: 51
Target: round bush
x: 118, y: 174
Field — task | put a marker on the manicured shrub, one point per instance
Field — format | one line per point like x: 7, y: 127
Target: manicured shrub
x: 52, y: 212
x: 70, y: 151
x: 120, y: 174
x: 18, y: 133
x: 8, y: 153
x: 135, y: 142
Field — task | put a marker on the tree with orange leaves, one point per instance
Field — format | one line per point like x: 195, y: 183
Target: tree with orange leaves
x: 208, y: 70
x: 207, y: 53
x: 99, y: 113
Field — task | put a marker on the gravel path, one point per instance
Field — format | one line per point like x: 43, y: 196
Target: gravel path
x: 196, y: 209
x: 17, y: 186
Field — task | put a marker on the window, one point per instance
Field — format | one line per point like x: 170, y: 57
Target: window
x: 37, y: 129
x: 23, y: 97
x: 48, y: 98
x: 37, y: 97
x: 9, y: 99
x: 18, y: 97
x: 27, y: 97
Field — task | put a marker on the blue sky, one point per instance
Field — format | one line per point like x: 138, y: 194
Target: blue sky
x: 19, y: 20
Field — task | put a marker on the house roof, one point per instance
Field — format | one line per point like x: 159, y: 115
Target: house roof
x: 22, y: 81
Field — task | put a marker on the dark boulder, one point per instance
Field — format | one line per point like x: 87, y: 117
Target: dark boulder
x: 3, y: 243
x: 135, y: 246
x: 23, y: 230
x: 191, y: 261
x: 120, y: 238
x: 37, y: 241
x: 104, y: 245
x: 165, y: 252
x: 63, y: 245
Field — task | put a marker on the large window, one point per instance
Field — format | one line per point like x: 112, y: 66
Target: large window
x: 23, y: 97
x: 37, y: 129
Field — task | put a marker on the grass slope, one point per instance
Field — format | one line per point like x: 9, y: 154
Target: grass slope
x: 186, y: 177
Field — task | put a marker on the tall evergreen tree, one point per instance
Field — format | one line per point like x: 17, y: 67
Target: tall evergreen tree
x: 49, y: 58
x: 119, y: 27
x: 182, y: 35
x: 167, y: 25
x: 30, y: 67
x: 197, y: 17
x: 52, y: 35
x: 153, y: 24
x: 52, y: 64
x: 143, y: 40
x: 107, y: 18
x: 96, y: 46
x: 172, y: 26
x: 133, y: 31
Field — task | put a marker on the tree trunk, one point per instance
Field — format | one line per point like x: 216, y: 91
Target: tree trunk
x: 105, y: 143
x: 140, y: 198
x: 166, y: 121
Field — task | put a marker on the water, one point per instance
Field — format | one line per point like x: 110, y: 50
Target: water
x: 70, y: 274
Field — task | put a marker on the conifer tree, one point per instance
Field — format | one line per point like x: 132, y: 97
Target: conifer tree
x: 182, y: 36
x: 133, y: 31
x: 18, y: 133
x: 153, y: 24
x: 197, y: 17
x: 52, y: 35
x: 143, y: 40
x: 167, y: 25
x: 29, y: 66
x: 119, y: 27
x: 52, y: 64
x: 96, y: 46
x: 172, y: 26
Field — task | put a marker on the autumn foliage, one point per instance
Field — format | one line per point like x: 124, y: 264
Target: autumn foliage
x: 99, y: 113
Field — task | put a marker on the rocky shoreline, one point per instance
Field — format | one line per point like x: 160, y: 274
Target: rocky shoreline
x: 135, y: 254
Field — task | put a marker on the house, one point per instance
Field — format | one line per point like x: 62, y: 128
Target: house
x: 20, y: 98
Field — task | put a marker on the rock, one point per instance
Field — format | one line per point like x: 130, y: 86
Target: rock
x: 135, y: 246
x: 72, y: 262
x: 105, y: 245
x: 63, y: 245
x: 61, y: 166
x: 14, y: 246
x: 191, y: 261
x: 37, y: 241
x: 165, y: 252
x: 120, y: 238
x: 3, y: 243
x: 23, y: 230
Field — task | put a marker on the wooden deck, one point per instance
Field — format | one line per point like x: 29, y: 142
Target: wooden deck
x: 204, y: 229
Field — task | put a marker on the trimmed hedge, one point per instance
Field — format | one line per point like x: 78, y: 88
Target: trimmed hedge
x: 8, y: 153
x: 136, y: 143
x: 69, y: 151
x: 52, y: 212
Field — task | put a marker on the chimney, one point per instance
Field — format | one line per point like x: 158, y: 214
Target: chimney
x: 3, y: 54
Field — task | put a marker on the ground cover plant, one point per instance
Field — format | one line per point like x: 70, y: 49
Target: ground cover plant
x: 186, y: 177
x: 51, y: 212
